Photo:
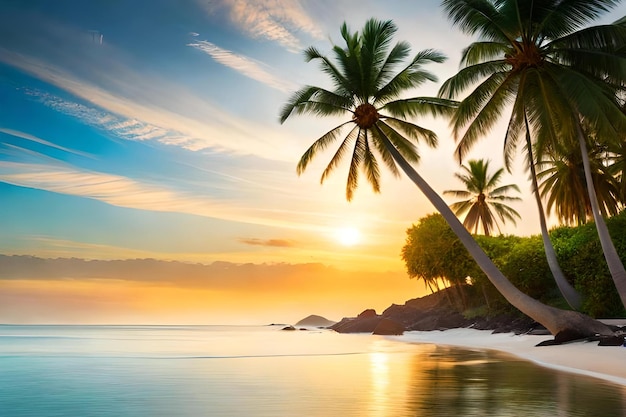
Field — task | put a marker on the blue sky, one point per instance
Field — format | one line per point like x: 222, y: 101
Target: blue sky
x: 132, y: 129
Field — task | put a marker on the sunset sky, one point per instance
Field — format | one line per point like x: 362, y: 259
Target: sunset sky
x: 149, y: 129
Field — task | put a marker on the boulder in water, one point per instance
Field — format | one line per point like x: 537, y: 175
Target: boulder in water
x: 315, y: 321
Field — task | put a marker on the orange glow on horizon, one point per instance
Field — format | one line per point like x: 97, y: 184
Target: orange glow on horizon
x: 97, y: 301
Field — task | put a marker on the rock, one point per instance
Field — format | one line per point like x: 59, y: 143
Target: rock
x: 563, y: 337
x: 615, y: 340
x: 315, y: 321
x: 365, y: 322
x: 357, y: 325
x: 568, y: 336
x: 402, y: 313
x: 288, y: 328
x: 549, y: 342
x: 389, y: 327
x: 370, y: 312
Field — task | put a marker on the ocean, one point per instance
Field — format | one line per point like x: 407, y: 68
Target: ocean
x: 263, y: 371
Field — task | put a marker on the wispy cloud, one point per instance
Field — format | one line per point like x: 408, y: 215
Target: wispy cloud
x: 35, y: 139
x: 274, y: 20
x: 129, y: 129
x: 278, y: 243
x: 244, y: 65
x: 196, y: 126
x: 109, y: 88
x: 126, y: 192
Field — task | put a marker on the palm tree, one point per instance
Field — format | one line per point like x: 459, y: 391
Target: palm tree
x: 570, y: 294
x: 366, y: 85
x: 534, y: 56
x: 563, y: 184
x: 366, y: 88
x: 483, y: 198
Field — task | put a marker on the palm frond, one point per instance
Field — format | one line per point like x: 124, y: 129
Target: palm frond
x: 471, y: 75
x: 370, y: 166
x: 379, y: 143
x: 506, y: 213
x: 480, y: 111
x: 461, y: 207
x: 375, y: 42
x: 481, y: 167
x: 480, y: 52
x: 413, y: 131
x: 546, y: 108
x: 457, y: 193
x: 318, y: 146
x: 594, y: 101
x: 402, y: 144
x: 411, y: 76
x: 565, y: 16
x: 316, y: 101
x: 339, y: 154
x: 421, y: 106
x: 348, y: 60
x: 593, y: 51
x: 514, y: 127
x: 500, y: 192
x: 358, y: 156
x: 502, y: 198
x: 476, y: 16
x: 339, y: 80
x: 397, y: 54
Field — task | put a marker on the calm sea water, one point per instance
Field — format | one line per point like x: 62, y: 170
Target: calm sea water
x: 180, y: 371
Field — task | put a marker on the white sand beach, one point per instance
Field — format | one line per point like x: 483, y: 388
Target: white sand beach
x: 605, y: 362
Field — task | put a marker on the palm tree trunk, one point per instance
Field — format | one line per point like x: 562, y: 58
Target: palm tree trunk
x: 554, y: 319
x: 569, y: 293
x: 613, y: 261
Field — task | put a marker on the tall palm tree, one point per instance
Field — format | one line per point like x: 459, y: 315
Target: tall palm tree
x: 573, y: 298
x: 366, y: 88
x: 533, y: 55
x: 484, y: 199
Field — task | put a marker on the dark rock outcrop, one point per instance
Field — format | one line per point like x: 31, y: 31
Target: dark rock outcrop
x: 616, y: 340
x: 369, y: 313
x: 432, y: 312
x: 389, y: 327
x: 356, y: 325
x: 315, y: 321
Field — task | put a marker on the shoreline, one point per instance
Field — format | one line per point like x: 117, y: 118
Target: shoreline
x: 585, y: 358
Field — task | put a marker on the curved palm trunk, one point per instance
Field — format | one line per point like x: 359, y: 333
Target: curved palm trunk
x: 613, y: 261
x: 572, y: 297
x: 554, y: 319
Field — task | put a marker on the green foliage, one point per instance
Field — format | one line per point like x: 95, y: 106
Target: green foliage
x: 580, y: 255
x: 475, y: 312
x: 527, y: 267
x: 433, y: 251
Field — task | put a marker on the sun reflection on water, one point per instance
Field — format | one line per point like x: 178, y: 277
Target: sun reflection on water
x: 379, y: 370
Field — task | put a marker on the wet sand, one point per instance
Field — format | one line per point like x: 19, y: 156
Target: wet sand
x: 587, y: 358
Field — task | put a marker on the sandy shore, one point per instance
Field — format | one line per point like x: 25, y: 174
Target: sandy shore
x: 605, y: 362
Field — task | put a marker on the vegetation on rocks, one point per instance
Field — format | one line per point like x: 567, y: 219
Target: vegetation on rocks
x: 432, y: 253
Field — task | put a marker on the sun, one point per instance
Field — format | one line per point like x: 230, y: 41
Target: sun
x: 348, y: 236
